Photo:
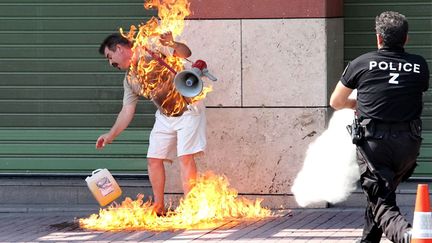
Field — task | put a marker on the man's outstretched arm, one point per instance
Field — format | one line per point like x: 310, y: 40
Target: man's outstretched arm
x: 123, y: 120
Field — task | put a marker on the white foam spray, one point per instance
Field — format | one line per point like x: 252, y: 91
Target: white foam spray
x: 330, y: 170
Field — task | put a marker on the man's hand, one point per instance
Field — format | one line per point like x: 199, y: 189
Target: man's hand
x: 180, y: 49
x: 103, y: 140
x: 167, y: 39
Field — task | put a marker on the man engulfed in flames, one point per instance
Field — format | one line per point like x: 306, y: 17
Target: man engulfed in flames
x: 145, y: 53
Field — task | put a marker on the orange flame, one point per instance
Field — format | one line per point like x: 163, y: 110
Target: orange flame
x: 155, y: 79
x: 210, y: 203
x: 203, y: 94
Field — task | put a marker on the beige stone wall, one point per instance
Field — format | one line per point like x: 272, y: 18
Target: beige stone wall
x: 270, y: 100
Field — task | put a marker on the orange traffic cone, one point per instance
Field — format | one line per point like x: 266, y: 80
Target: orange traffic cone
x: 422, y: 225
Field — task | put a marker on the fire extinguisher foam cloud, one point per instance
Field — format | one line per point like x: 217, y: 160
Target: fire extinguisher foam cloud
x: 330, y: 169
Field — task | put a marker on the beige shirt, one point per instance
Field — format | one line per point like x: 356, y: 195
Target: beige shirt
x: 131, y: 91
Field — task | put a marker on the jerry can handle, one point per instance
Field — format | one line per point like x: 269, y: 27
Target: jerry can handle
x: 96, y: 171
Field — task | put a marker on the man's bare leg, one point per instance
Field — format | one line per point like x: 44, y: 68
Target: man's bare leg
x: 188, y: 172
x: 156, y: 172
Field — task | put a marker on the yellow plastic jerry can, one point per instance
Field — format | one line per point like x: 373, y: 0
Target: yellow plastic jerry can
x: 103, y: 186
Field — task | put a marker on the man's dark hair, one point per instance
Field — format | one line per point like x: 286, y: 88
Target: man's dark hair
x: 111, y: 42
x: 392, y: 27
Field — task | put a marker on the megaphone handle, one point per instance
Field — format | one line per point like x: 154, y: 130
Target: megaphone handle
x: 209, y: 75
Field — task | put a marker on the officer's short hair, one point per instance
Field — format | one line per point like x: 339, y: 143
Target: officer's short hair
x: 392, y: 27
x: 112, y: 41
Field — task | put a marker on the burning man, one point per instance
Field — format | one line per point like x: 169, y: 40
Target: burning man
x: 179, y: 124
x: 390, y: 84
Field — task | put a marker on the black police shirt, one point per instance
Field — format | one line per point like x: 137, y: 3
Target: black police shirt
x: 390, y: 84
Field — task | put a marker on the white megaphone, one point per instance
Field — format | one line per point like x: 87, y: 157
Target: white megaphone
x: 188, y: 82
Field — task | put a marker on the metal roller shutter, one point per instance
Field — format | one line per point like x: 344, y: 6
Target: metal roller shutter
x: 57, y: 94
x: 360, y: 37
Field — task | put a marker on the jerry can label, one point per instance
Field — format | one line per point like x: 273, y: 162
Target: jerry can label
x: 105, y: 186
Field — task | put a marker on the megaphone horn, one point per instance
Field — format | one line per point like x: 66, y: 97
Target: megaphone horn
x: 189, y: 83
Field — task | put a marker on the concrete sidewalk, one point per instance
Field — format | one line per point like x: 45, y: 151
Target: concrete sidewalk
x: 298, y: 225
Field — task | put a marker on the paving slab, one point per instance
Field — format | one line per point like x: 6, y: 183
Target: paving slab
x: 296, y: 225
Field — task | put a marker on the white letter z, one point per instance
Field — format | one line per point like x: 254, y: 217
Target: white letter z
x: 393, y: 78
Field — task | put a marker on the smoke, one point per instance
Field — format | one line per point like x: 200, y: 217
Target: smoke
x: 330, y: 169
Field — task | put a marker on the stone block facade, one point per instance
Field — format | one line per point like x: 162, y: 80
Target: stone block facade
x: 276, y: 65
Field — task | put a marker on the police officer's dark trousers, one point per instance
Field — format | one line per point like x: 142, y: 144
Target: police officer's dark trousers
x: 386, y: 157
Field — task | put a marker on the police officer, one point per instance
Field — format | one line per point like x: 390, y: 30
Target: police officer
x: 390, y: 85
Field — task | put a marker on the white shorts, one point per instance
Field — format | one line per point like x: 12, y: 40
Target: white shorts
x: 186, y: 134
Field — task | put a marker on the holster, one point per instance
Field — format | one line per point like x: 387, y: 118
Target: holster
x: 356, y: 130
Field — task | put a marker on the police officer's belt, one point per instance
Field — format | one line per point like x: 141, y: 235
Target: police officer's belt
x: 401, y: 126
